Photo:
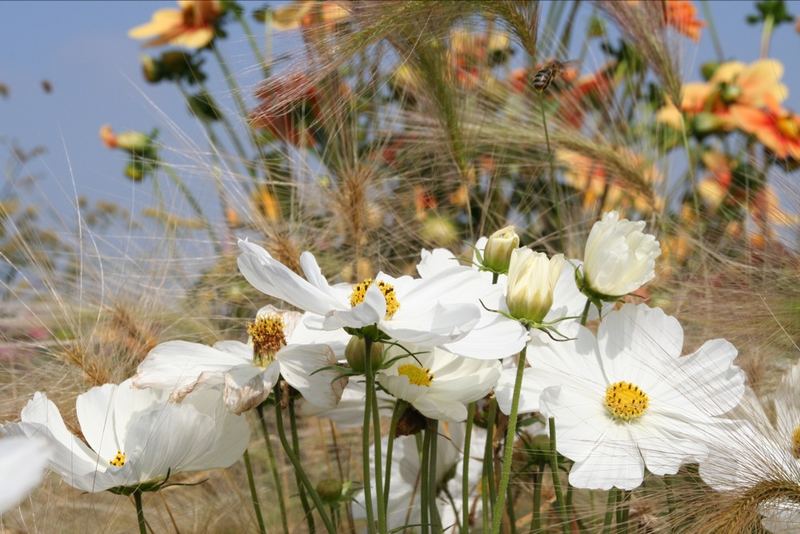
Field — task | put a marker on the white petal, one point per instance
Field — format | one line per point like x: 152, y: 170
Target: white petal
x: 614, y: 462
x: 494, y: 337
x: 369, y: 312
x: 710, y: 380
x: 435, y: 261
x: 440, y: 408
x: 300, y: 366
x: 247, y: 386
x: 22, y: 463
x: 441, y: 324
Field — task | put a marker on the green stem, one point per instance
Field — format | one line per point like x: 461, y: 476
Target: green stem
x: 585, y: 314
x: 508, y: 451
x: 436, y: 523
x: 536, y: 522
x: 251, y: 482
x: 766, y: 35
x: 273, y: 467
x: 298, y: 468
x: 610, y: 504
x: 365, y: 471
x: 562, y: 512
x: 465, y: 469
x: 555, y: 195
x: 399, y: 409
x: 622, y: 512
x: 240, y: 17
x: 425, y: 484
x: 712, y: 29
x: 376, y: 439
x: 488, y: 462
x: 137, y: 501
x: 296, y: 448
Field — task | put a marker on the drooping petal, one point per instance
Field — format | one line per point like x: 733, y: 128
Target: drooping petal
x: 22, y: 463
x: 301, y: 366
x: 247, y: 386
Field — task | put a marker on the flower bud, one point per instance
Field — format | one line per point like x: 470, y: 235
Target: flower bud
x: 619, y: 257
x: 354, y: 353
x: 532, y: 277
x: 497, y: 254
x: 329, y: 490
x: 135, y: 171
x: 133, y: 141
x: 151, y: 69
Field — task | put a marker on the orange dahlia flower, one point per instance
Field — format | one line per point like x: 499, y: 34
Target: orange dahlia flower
x: 192, y: 25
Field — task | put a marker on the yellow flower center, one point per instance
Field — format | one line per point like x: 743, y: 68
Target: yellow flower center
x: 789, y: 127
x: 360, y: 292
x: 118, y: 460
x: 419, y: 376
x: 266, y: 333
x: 625, y: 401
x: 796, y: 443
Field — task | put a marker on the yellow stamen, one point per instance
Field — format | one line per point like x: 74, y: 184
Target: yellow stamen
x: 360, y: 292
x: 796, y: 443
x: 119, y: 459
x: 625, y: 401
x: 419, y: 376
x: 266, y: 333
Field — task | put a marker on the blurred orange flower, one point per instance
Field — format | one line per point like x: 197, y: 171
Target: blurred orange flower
x: 777, y: 128
x: 289, y: 108
x: 305, y: 13
x: 682, y: 15
x: 192, y: 25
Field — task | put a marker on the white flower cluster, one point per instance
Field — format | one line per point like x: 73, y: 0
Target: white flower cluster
x: 623, y: 397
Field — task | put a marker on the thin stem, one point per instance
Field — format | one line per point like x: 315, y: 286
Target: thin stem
x: 298, y: 468
x: 376, y: 439
x: 508, y: 450
x: 137, y: 501
x: 766, y: 35
x: 240, y: 17
x: 193, y: 202
x: 554, y: 191
x: 399, y: 409
x: 273, y: 467
x: 251, y: 482
x: 712, y: 29
x: 365, y: 471
x: 424, y: 484
x: 436, y: 522
x: 622, y: 512
x: 296, y: 448
x: 488, y: 462
x: 348, y: 510
x: 465, y: 469
x: 562, y: 512
x: 585, y: 314
x: 536, y: 522
x: 609, y: 517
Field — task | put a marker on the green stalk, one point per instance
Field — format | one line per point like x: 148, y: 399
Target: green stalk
x: 376, y: 437
x: 609, y: 517
x: 425, y: 484
x: 399, y: 409
x: 253, y: 493
x: 585, y: 314
x: 622, y: 512
x: 562, y: 512
x: 555, y: 195
x: 511, y: 432
x: 273, y: 467
x: 465, y: 469
x: 766, y: 35
x: 436, y: 522
x: 488, y: 462
x: 712, y: 29
x: 137, y: 501
x: 536, y: 521
x: 365, y: 471
x: 298, y: 468
x: 252, y: 41
x: 296, y: 447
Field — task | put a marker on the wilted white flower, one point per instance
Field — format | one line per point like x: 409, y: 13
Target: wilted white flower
x: 499, y: 246
x: 22, y: 463
x: 627, y: 399
x: 406, y: 309
x: 279, y: 345
x: 532, y: 278
x: 439, y: 384
x: 135, y: 437
x: 619, y: 257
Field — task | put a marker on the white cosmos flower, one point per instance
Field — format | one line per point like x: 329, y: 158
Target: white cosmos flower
x: 22, y: 463
x: 279, y: 345
x: 134, y: 436
x: 437, y: 383
x: 496, y: 336
x: 627, y: 399
x: 619, y: 257
x: 752, y: 450
x: 407, y: 309
x: 404, y: 495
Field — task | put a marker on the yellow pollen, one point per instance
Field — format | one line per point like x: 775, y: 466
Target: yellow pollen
x: 266, y: 333
x: 419, y: 376
x: 119, y: 459
x: 796, y: 443
x: 360, y: 291
x: 625, y: 401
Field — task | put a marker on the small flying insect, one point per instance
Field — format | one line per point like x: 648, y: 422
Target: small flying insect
x: 544, y: 77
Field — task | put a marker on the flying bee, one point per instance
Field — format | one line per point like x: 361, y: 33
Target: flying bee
x: 545, y: 76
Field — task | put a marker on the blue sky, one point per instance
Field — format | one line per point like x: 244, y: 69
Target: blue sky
x: 83, y: 49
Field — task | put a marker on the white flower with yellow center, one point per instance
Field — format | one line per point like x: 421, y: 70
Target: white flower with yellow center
x: 22, y: 464
x: 754, y: 453
x: 134, y: 437
x: 627, y: 399
x: 438, y: 384
x: 279, y: 345
x: 406, y: 309
x: 619, y: 257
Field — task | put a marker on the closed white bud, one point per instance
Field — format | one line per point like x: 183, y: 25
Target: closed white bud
x: 497, y: 254
x: 619, y: 257
x: 532, y: 277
